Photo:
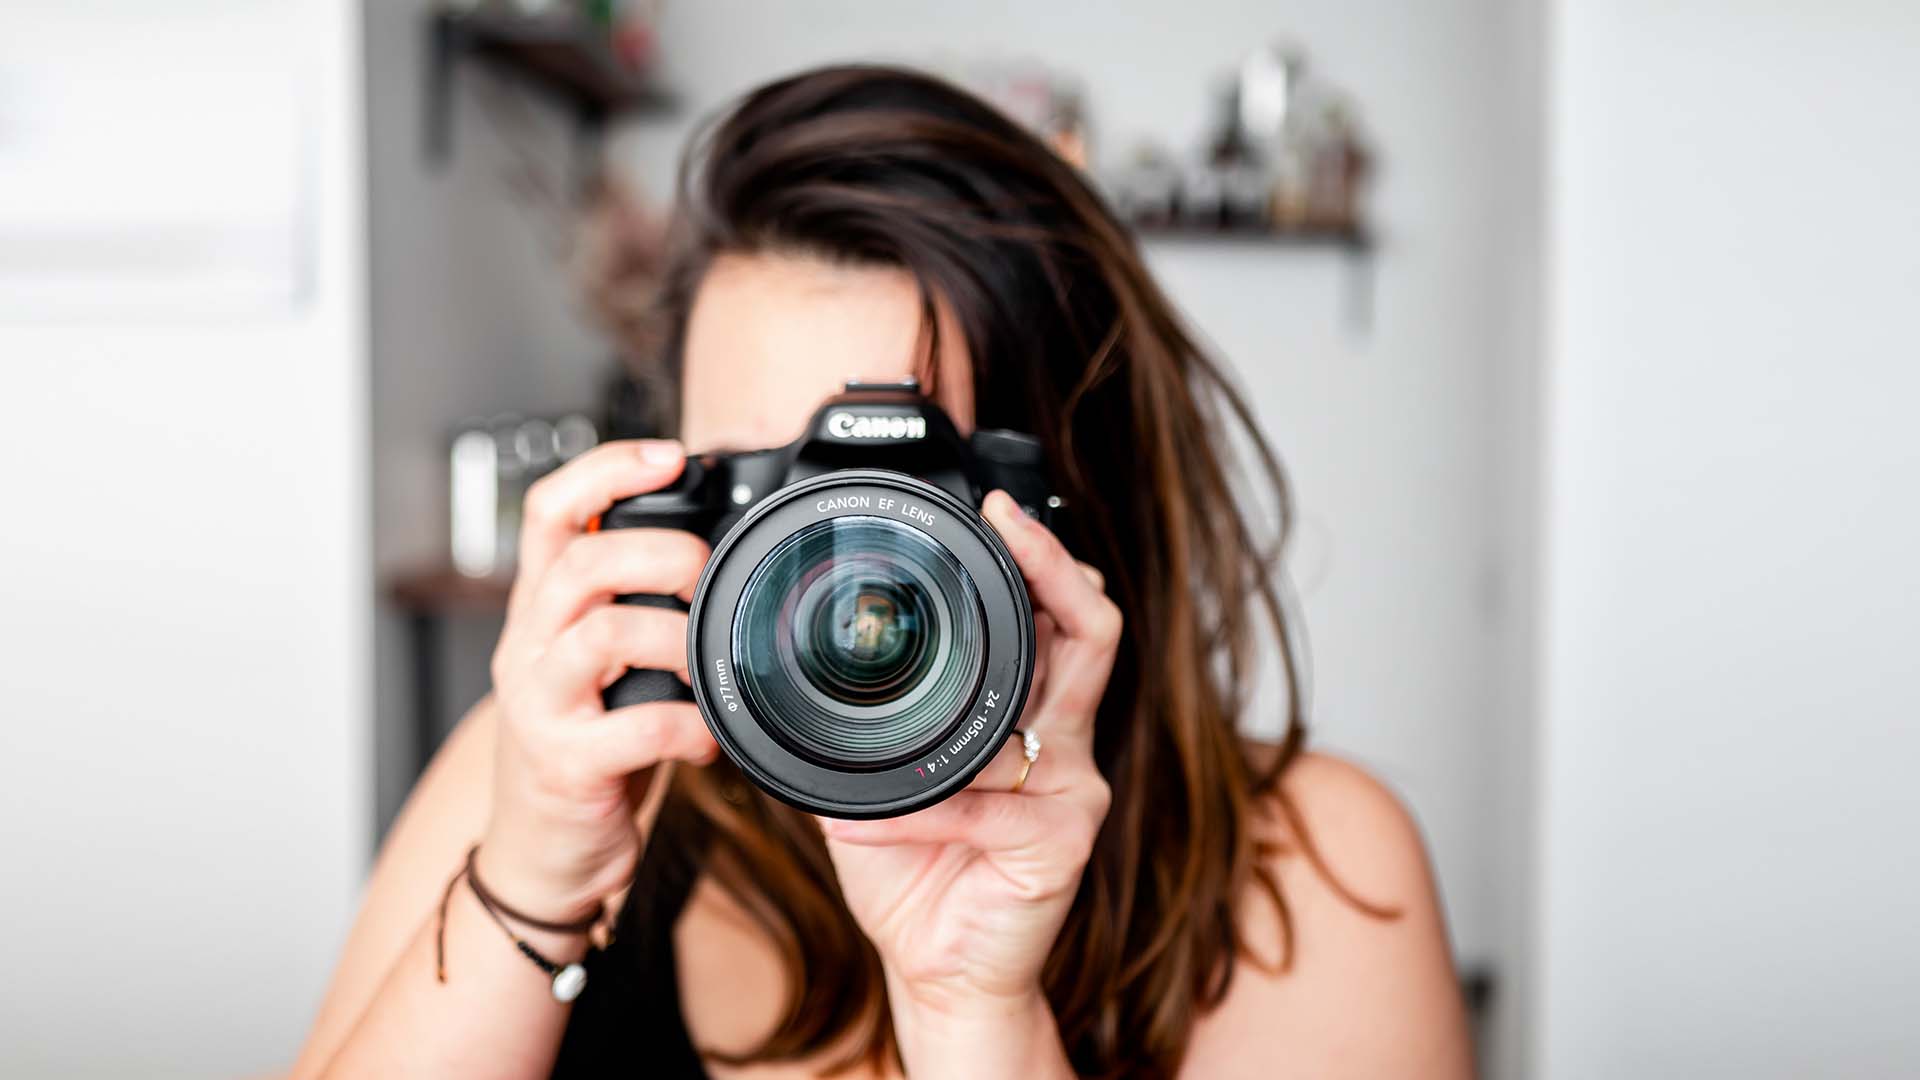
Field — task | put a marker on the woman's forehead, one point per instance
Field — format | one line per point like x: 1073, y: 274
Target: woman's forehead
x: 772, y: 335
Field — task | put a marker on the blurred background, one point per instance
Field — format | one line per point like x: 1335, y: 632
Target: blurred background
x: 1587, y: 330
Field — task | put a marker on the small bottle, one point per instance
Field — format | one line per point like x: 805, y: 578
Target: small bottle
x: 1238, y: 169
x: 473, y: 500
x: 510, y: 481
x: 534, y: 444
x: 574, y: 435
x: 1145, y: 191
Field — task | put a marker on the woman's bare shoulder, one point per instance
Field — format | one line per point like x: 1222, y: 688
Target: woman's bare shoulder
x: 1352, y: 819
x: 731, y: 977
x: 733, y: 987
x: 1363, y: 984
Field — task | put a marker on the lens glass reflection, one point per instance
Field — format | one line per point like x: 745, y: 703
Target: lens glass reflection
x: 859, y: 641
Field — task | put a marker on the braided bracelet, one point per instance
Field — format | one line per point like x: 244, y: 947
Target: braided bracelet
x: 568, y: 979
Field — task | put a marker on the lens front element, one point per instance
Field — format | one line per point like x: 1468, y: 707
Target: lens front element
x: 858, y: 641
x: 862, y: 636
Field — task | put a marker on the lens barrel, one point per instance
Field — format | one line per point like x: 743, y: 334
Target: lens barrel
x: 861, y: 643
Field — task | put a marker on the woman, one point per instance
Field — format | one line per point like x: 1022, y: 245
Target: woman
x: 1154, y: 896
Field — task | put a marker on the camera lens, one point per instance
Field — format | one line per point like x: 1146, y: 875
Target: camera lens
x: 860, y: 643
x: 858, y: 640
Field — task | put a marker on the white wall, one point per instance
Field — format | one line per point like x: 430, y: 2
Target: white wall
x: 183, y: 574
x: 1389, y: 432
x: 1732, y: 526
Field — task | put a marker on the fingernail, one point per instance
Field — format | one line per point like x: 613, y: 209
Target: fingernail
x: 1010, y: 509
x: 660, y: 451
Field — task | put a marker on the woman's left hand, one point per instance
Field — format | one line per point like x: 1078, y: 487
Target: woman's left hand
x: 963, y: 900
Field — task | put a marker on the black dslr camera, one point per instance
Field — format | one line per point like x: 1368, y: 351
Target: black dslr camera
x: 860, y: 642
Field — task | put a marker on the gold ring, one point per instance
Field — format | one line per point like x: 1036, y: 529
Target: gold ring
x: 1029, y: 749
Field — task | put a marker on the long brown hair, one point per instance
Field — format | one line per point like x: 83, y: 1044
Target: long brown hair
x: 1069, y: 338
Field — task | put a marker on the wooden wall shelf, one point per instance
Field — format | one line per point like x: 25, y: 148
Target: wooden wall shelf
x: 569, y: 61
x: 444, y: 591
x: 1354, y: 240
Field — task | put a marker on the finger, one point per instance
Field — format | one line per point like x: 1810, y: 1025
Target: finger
x: 1044, y: 632
x: 606, y: 642
x: 559, y: 505
x: 595, y: 568
x: 1054, y: 579
x: 1087, y: 623
x: 630, y: 739
x: 1004, y: 768
x: 985, y: 820
x: 1052, y: 771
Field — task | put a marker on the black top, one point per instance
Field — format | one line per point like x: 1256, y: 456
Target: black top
x: 628, y: 1023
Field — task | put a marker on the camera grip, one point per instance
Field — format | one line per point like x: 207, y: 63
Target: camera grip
x: 641, y: 685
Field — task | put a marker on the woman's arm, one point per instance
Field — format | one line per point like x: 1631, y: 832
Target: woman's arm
x: 386, y: 1013
x: 1364, y: 996
x: 541, y: 776
x: 494, y: 1016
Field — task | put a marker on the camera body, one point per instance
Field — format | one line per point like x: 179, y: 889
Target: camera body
x: 860, y: 641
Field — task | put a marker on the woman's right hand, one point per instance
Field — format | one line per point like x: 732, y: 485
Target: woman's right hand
x: 565, y: 830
